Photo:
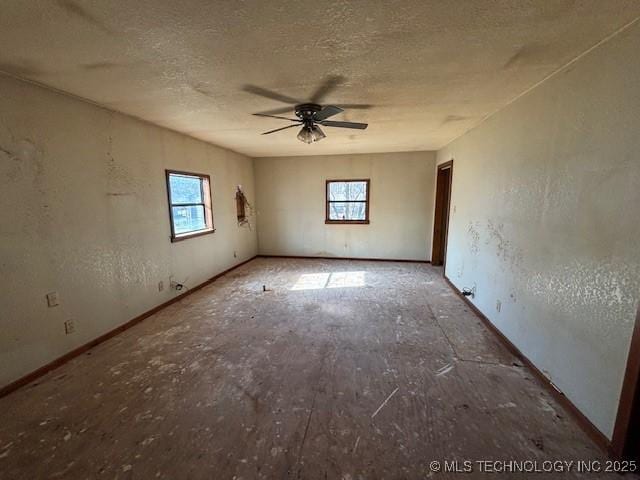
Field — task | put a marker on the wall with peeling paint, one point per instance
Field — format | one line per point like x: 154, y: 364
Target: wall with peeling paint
x: 545, y: 202
x: 291, y: 206
x: 84, y: 213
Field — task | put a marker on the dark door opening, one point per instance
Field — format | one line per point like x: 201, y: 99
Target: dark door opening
x: 626, y: 435
x: 441, y: 215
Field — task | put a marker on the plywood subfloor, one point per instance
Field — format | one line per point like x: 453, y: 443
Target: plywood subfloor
x: 341, y: 370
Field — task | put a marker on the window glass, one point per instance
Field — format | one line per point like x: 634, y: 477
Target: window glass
x: 347, y: 191
x: 185, y: 189
x: 188, y: 219
x: 346, y: 211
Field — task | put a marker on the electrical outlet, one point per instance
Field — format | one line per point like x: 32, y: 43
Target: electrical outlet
x: 69, y: 327
x: 498, y: 305
x: 52, y: 299
x: 160, y: 286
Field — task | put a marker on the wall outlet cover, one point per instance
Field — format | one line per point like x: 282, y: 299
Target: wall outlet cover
x: 52, y: 299
x: 69, y: 327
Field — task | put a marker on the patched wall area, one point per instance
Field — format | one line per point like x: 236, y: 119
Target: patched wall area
x: 291, y: 206
x: 545, y: 202
x: 85, y: 214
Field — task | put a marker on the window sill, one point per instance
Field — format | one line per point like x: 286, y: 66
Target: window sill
x: 199, y: 233
x: 347, y: 222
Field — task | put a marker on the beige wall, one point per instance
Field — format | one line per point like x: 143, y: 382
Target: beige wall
x: 84, y: 213
x: 291, y: 206
x: 546, y: 202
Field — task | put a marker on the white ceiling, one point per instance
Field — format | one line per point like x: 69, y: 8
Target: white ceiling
x: 430, y: 70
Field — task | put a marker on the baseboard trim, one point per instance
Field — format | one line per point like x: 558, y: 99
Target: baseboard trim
x: 307, y: 257
x: 584, y: 423
x: 30, y: 377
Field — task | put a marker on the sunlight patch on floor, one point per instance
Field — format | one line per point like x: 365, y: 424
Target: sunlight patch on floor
x: 317, y: 281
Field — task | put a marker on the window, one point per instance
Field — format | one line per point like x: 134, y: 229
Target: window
x: 347, y: 201
x: 189, y: 204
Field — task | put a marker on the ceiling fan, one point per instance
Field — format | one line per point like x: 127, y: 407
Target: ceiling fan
x: 311, y: 115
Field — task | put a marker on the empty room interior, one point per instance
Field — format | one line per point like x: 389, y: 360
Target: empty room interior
x: 319, y: 240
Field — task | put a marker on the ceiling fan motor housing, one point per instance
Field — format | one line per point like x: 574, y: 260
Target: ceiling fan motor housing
x: 305, y: 111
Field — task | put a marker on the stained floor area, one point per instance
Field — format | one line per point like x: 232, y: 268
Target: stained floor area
x: 340, y: 370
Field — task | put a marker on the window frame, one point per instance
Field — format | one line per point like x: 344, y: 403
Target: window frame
x: 327, y: 202
x: 207, y: 204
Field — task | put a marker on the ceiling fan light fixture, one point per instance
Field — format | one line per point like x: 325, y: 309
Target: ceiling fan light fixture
x: 310, y: 134
x: 305, y: 135
x: 317, y: 133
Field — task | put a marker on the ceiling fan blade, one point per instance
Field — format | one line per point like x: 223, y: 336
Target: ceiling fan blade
x: 330, y: 123
x: 355, y: 106
x: 275, y: 116
x: 263, y: 92
x: 329, y: 84
x: 326, y: 112
x: 278, y: 111
x: 281, y: 128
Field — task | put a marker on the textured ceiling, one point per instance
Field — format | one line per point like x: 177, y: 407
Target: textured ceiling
x: 429, y: 70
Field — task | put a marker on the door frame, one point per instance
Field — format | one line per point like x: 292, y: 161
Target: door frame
x: 623, y: 442
x: 443, y: 166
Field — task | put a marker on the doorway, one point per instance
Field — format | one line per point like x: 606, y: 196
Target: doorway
x: 626, y: 435
x: 441, y: 215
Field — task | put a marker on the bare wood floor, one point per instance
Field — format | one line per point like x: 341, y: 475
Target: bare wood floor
x: 342, y: 370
